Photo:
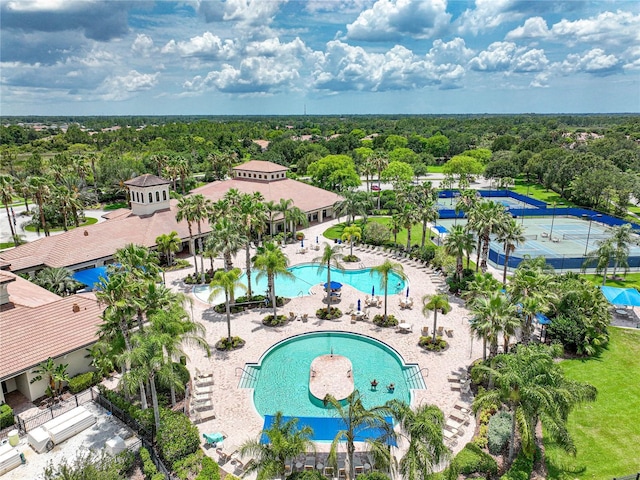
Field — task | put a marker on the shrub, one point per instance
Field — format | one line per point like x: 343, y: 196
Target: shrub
x: 499, y: 432
x: 428, y: 344
x: 306, y: 475
x: 520, y: 469
x: 148, y: 467
x: 177, y: 436
x: 471, y: 459
x: 279, y: 320
x: 82, y: 381
x: 144, y: 417
x: 350, y: 258
x: 210, y: 470
x: 372, y: 476
x: 570, y: 331
x: 323, y: 313
x: 225, y: 344
x: 6, y: 416
x: 182, y: 372
x: 390, y: 321
x: 376, y: 233
x: 426, y: 253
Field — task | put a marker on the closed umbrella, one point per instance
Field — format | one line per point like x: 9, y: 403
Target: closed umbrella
x: 407, y: 292
x: 316, y: 239
x: 358, y: 304
x: 373, y: 290
x: 302, y: 243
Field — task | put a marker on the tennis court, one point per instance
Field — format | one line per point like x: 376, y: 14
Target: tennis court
x: 507, y: 202
x: 554, y: 237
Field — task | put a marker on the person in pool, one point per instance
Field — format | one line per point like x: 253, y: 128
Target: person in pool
x: 374, y: 384
x: 391, y: 387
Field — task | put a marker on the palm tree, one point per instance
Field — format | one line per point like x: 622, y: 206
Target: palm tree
x: 357, y: 417
x: 351, y: 233
x: 6, y: 197
x: 511, y: 235
x: 53, y: 373
x: 331, y: 256
x: 433, y: 303
x: 482, y: 285
x: 489, y: 218
x: 352, y: 204
x: 423, y: 428
x: 168, y: 245
x: 602, y: 256
x: 252, y: 218
x: 285, y: 440
x: 283, y: 207
x: 456, y: 243
x: 271, y: 261
x: 295, y: 216
x: 385, y: 270
x: 227, y: 282
x: 227, y: 238
x: 409, y: 217
x: 493, y: 314
x: 379, y: 162
x: 57, y: 280
x: 39, y: 187
x: 533, y: 387
x: 200, y: 207
x: 622, y: 236
x: 185, y: 212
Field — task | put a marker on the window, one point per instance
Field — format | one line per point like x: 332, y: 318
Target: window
x: 164, y: 195
x: 260, y: 176
x: 157, y: 196
x: 150, y: 197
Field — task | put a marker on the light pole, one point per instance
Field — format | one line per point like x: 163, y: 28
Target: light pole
x: 586, y: 248
x: 553, y: 217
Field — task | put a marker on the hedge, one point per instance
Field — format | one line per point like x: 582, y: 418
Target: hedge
x: 520, y: 469
x: 472, y: 459
x: 82, y: 381
x: 210, y: 470
x: 6, y: 416
x: 177, y: 436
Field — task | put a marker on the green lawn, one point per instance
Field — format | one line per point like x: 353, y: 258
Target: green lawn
x: 606, y: 432
x: 435, y: 168
x: 89, y: 221
x: 538, y: 192
x: 416, y: 232
x: 630, y: 280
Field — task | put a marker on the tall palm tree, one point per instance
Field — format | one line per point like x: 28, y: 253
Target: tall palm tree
x: 602, y: 257
x: 351, y: 233
x: 511, y: 235
x: 433, y: 303
x: 227, y: 282
x: 226, y: 238
x: 409, y: 215
x: 272, y: 262
x: 186, y: 213
x: 385, y: 270
x: 489, y: 218
x: 352, y: 204
x: 284, y: 440
x: 168, y: 244
x: 200, y: 207
x: 357, y: 417
x: 379, y: 162
x: 40, y: 189
x: 6, y: 197
x: 252, y: 218
x: 533, y: 387
x: 331, y: 256
x: 482, y: 285
x: 622, y: 236
x: 283, y: 208
x: 423, y: 428
x: 296, y: 216
x: 57, y: 280
x: 456, y: 243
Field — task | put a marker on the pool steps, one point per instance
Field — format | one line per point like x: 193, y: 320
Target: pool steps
x: 249, y: 377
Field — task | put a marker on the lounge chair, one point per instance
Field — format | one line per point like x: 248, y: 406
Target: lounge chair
x: 425, y: 331
x: 378, y: 301
x: 200, y: 390
x: 305, y: 317
x: 463, y: 408
x: 288, y: 467
x: 409, y: 304
x: 350, y: 309
x: 310, y: 462
x: 358, y: 466
x: 440, y: 331
x: 449, y: 332
x: 328, y: 471
x: 203, y: 379
x: 292, y: 316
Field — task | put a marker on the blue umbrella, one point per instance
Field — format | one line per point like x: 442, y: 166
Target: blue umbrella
x: 316, y: 239
x: 358, y: 304
x: 407, y: 292
x: 334, y: 285
x: 373, y: 290
x: 302, y: 243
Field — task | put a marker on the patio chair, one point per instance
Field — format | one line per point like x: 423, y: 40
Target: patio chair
x: 378, y: 301
x: 440, y: 330
x: 292, y: 316
x: 358, y: 465
x: 350, y: 309
x: 425, y: 331
x: 328, y: 472
x: 310, y: 463
x: 305, y: 317
x: 409, y: 304
x: 449, y: 332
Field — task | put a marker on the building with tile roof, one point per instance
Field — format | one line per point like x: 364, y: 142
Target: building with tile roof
x: 36, y: 324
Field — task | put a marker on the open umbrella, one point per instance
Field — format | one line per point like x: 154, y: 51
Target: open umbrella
x: 334, y: 285
x: 373, y: 290
x: 358, y: 304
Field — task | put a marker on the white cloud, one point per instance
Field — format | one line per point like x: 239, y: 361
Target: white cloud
x: 535, y: 27
x: 594, y: 61
x: 125, y: 86
x: 142, y: 45
x: 250, y: 12
x: 508, y: 57
x: 613, y: 28
x: 632, y: 58
x: 346, y: 67
x: 454, y: 51
x: 487, y: 15
x: 391, y: 19
x: 45, y: 5
x: 206, y: 45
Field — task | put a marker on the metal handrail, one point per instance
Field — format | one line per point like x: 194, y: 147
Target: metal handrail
x: 242, y: 369
x: 419, y: 371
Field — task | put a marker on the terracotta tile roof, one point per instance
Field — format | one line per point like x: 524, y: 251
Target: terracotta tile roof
x: 261, y: 166
x: 6, y: 277
x: 23, y: 293
x: 31, y: 335
x: 100, y: 241
x: 147, y: 180
x: 306, y: 197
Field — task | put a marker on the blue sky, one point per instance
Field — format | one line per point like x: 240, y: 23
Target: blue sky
x: 243, y: 57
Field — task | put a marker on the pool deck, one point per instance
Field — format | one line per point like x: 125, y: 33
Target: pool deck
x: 235, y: 414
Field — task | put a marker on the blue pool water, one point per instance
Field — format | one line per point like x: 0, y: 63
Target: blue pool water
x: 307, y: 275
x: 283, y: 373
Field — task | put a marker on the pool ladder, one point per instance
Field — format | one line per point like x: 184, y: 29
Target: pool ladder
x: 248, y: 376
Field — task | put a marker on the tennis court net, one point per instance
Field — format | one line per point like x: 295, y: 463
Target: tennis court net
x: 581, y: 236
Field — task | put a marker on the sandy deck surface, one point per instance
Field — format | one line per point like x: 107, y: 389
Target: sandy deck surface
x: 235, y: 414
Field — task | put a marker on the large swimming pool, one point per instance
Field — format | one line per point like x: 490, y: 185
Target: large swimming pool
x: 307, y: 275
x: 281, y: 377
